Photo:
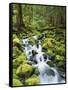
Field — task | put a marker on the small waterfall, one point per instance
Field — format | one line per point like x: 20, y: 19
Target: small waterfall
x: 27, y: 48
x: 48, y: 75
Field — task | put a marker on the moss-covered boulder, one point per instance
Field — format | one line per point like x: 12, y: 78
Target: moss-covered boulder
x: 24, y: 70
x: 14, y: 74
x: 16, y: 82
x: 34, y: 80
x: 16, y: 52
x: 14, y: 36
x: 16, y: 40
x: 19, y: 60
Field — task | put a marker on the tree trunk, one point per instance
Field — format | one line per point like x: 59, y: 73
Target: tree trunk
x: 20, y: 24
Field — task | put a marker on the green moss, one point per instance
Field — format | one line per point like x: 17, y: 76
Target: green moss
x: 61, y: 50
x: 15, y: 76
x: 16, y: 40
x: 15, y: 63
x: 19, y: 60
x: 16, y: 82
x: 59, y: 58
x: 48, y: 43
x: 24, y: 70
x: 60, y: 62
x: 50, y: 52
x: 31, y: 41
x: 34, y: 80
x: 22, y: 57
x: 14, y: 36
x: 16, y: 52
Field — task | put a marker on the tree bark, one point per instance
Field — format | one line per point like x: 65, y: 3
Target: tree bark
x: 20, y: 24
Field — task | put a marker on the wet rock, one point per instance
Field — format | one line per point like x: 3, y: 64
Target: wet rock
x: 24, y: 70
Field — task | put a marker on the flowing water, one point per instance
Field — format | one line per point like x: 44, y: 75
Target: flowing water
x: 48, y: 75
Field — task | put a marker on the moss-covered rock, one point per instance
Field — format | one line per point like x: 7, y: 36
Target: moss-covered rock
x: 16, y: 52
x: 24, y: 70
x: 49, y: 52
x: 14, y: 36
x: 15, y: 76
x: 19, y: 60
x: 34, y: 80
x: 16, y: 82
x: 16, y: 41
